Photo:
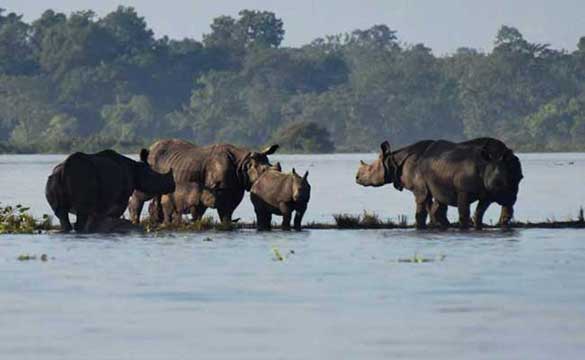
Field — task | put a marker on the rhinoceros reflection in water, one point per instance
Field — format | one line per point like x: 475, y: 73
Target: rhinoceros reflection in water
x: 96, y: 187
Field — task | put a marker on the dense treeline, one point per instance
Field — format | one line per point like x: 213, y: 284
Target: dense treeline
x: 79, y: 82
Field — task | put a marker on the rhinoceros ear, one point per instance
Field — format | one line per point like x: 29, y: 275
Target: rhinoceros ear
x: 306, y: 175
x: 363, y: 163
x: 385, y: 147
x: 270, y: 150
x: 144, y: 155
x: 294, y: 171
x: 277, y: 167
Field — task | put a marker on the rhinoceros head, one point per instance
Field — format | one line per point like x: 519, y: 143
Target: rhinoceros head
x: 151, y: 182
x: 301, y: 189
x: 255, y: 164
x: 502, y: 172
x: 384, y: 170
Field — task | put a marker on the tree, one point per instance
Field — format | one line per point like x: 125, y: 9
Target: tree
x: 253, y: 29
x: 77, y: 42
x: 129, y: 31
x: 306, y: 137
x: 16, y: 55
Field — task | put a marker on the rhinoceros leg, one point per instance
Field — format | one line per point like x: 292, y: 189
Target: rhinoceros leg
x: 286, y: 212
x: 155, y: 211
x: 422, y: 204
x: 135, y: 206
x: 263, y: 220
x: 81, y: 222
x: 299, y: 218
x: 197, y: 212
x: 439, y: 214
x: 225, y: 215
x: 463, y: 207
x: 506, y: 215
x: 168, y: 208
x: 63, y: 216
x: 480, y: 209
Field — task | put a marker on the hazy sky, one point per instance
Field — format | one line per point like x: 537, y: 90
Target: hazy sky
x: 443, y: 25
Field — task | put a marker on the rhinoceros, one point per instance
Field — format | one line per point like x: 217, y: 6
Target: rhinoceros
x: 458, y: 174
x: 96, y: 186
x: 399, y: 168
x: 187, y: 197
x: 277, y: 193
x: 226, y: 171
x: 450, y: 173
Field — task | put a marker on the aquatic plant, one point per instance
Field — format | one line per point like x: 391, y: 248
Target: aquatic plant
x: 17, y: 220
x: 368, y: 220
x: 347, y: 221
x: 417, y: 259
x: 27, y: 257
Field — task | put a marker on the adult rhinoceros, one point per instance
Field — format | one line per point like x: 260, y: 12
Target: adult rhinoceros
x: 450, y: 173
x: 224, y: 170
x: 97, y: 186
x: 399, y: 168
x: 459, y: 174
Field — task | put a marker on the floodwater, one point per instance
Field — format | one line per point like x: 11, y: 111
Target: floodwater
x: 337, y: 295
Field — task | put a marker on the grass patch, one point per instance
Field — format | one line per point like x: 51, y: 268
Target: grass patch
x: 367, y: 220
x: 347, y: 221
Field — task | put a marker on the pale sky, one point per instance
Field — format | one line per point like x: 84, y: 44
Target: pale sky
x: 443, y: 25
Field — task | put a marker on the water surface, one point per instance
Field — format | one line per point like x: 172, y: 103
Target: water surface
x: 341, y: 295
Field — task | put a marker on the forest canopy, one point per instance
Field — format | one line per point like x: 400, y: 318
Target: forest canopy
x: 76, y: 81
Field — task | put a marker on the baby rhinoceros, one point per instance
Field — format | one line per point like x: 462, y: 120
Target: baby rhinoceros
x: 278, y: 193
x: 188, y: 198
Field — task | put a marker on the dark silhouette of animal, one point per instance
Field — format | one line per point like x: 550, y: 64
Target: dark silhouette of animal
x: 450, y: 173
x: 226, y: 171
x: 280, y: 194
x: 97, y: 186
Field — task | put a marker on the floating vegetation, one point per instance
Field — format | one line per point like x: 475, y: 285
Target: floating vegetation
x: 26, y: 257
x: 17, y: 220
x: 417, y: 259
x: 278, y: 255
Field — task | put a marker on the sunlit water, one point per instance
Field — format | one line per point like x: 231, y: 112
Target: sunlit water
x: 341, y: 295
